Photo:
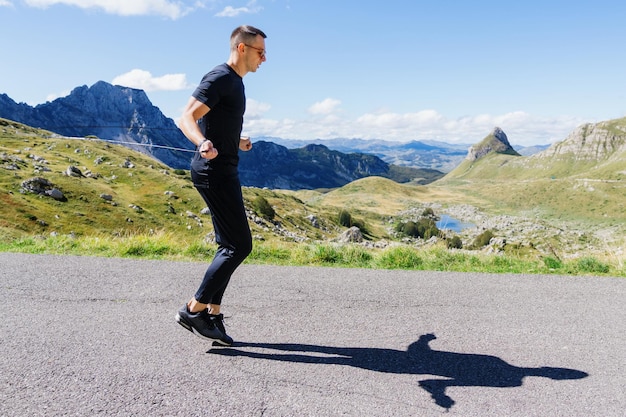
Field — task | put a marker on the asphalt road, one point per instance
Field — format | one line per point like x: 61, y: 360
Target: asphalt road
x: 91, y: 336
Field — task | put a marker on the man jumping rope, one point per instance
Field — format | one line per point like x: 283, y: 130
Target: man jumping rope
x: 213, y: 120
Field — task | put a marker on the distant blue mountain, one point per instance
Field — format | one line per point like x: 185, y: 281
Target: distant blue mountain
x: 417, y: 154
x: 530, y: 150
x: 126, y: 115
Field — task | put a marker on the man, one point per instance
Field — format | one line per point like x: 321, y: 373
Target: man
x: 213, y: 120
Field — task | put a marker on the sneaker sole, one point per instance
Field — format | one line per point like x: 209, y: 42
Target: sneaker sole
x: 220, y: 342
x: 189, y: 327
x: 182, y: 322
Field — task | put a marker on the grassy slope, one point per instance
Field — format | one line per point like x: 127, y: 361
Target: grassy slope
x: 520, y: 186
x: 86, y: 213
x: 567, y: 187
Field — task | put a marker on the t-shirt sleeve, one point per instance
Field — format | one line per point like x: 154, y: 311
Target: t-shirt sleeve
x: 211, y: 88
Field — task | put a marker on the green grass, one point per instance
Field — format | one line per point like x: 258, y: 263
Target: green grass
x: 170, y: 225
x: 165, y: 246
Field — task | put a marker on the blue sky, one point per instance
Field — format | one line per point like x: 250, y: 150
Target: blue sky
x: 393, y: 70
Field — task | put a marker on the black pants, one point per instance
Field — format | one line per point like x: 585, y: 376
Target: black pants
x: 222, y: 194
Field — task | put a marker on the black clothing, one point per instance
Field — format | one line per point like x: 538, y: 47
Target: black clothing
x: 222, y: 90
x: 232, y: 234
x: 217, y: 180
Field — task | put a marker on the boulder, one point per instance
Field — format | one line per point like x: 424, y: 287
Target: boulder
x: 352, y: 235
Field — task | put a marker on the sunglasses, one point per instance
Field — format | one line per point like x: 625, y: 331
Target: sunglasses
x: 260, y: 50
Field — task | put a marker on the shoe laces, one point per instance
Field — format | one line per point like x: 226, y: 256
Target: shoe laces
x: 218, y: 319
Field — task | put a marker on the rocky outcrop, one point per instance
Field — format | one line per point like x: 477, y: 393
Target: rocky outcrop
x: 113, y: 113
x: 590, y: 142
x: 352, y: 235
x: 42, y: 186
x: 496, y: 142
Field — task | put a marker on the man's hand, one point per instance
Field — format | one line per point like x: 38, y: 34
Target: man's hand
x: 207, y: 150
x: 245, y: 144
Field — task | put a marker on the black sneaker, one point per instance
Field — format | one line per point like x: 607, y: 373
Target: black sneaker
x: 218, y: 320
x: 199, y: 324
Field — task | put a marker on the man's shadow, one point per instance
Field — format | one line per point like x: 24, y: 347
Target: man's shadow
x: 457, y: 369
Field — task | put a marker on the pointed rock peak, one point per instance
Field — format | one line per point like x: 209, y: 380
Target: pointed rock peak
x: 102, y: 84
x: 496, y: 142
x: 103, y: 95
x: 105, y: 89
x: 500, y: 136
x: 102, y: 87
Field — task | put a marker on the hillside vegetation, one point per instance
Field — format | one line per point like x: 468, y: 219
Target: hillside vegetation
x: 126, y: 204
x: 146, y: 197
x: 582, y: 179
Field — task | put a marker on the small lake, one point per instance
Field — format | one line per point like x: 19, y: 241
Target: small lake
x: 450, y: 223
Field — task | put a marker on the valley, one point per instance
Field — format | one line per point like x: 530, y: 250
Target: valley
x: 123, y: 194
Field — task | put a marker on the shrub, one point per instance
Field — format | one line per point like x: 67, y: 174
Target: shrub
x: 592, y: 265
x: 454, y: 242
x: 428, y: 212
x: 482, y: 239
x: 552, y: 263
x: 410, y: 229
x: 427, y: 228
x: 263, y: 208
x: 345, y: 219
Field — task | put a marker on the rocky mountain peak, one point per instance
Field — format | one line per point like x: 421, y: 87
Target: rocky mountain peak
x: 496, y: 141
x: 109, y: 112
x: 590, y: 142
x: 126, y: 116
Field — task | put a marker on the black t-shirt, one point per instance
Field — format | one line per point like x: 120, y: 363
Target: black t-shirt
x: 222, y: 90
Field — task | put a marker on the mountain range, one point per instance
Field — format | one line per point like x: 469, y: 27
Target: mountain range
x: 126, y: 115
x: 432, y: 154
x: 316, y: 166
x: 592, y: 152
x: 436, y: 155
x: 581, y: 179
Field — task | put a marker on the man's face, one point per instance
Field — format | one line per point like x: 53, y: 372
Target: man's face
x: 254, y: 53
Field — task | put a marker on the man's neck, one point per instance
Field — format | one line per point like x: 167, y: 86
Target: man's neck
x: 236, y: 67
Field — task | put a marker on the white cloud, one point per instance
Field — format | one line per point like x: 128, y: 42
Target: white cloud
x: 5, y: 3
x: 521, y: 128
x: 256, y: 109
x: 400, y: 121
x: 230, y: 11
x: 325, y: 106
x: 144, y: 80
x: 167, y: 8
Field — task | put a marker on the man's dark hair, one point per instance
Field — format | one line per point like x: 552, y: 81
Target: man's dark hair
x: 244, y: 34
